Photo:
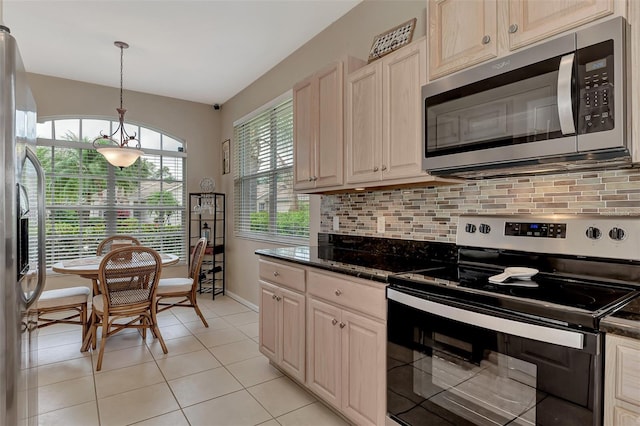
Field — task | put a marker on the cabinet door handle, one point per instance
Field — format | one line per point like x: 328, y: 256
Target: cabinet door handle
x: 338, y: 292
x: 375, y: 169
x: 513, y: 28
x: 310, y: 178
x: 315, y: 178
x: 278, y: 298
x: 276, y: 274
x: 384, y: 167
x: 273, y: 296
x: 334, y: 321
x: 342, y: 325
x: 486, y: 39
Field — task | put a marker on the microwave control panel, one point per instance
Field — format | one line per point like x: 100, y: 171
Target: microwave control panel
x: 595, y: 80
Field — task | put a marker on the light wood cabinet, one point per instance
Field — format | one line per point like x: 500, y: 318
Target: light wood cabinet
x: 534, y: 20
x: 384, y: 125
x: 318, y: 127
x: 328, y: 331
x: 463, y: 33
x: 346, y: 350
x: 282, y: 317
x: 622, y: 381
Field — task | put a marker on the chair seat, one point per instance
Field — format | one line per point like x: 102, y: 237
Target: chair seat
x: 174, y: 285
x: 63, y: 297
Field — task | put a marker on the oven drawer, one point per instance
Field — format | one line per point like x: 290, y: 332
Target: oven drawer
x: 285, y: 275
x: 364, y: 297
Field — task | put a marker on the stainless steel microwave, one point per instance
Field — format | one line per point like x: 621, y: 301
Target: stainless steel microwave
x: 556, y: 106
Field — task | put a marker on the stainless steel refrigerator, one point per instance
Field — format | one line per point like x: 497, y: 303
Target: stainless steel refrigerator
x: 22, y: 257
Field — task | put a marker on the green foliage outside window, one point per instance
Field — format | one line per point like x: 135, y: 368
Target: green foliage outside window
x: 289, y: 223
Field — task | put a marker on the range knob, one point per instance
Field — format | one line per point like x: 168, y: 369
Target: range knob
x: 484, y: 228
x: 617, y: 234
x: 593, y: 233
x: 470, y: 228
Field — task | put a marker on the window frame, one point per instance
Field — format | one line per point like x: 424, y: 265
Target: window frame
x: 242, y: 181
x: 109, y: 211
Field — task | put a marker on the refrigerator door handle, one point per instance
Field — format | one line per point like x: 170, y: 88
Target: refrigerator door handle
x: 42, y: 258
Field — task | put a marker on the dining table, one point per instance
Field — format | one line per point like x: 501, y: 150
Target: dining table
x: 89, y: 267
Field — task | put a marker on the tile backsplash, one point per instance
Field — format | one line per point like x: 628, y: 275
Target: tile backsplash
x: 431, y: 213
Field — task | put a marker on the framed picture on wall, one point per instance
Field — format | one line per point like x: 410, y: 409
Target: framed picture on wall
x: 226, y: 157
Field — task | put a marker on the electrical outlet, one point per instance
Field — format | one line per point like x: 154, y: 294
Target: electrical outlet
x: 381, y: 224
x: 336, y: 223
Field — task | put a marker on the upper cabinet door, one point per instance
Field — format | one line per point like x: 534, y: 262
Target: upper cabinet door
x: 461, y: 33
x: 329, y: 145
x: 364, y: 124
x: 534, y: 20
x: 403, y: 75
x: 305, y: 107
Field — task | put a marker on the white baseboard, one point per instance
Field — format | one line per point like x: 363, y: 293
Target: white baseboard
x: 245, y: 302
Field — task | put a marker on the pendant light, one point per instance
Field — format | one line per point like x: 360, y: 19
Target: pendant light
x: 119, y: 153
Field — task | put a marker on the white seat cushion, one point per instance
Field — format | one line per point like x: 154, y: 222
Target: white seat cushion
x: 62, y: 297
x: 174, y: 285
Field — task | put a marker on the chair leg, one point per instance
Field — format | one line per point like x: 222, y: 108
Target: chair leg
x: 156, y: 330
x: 94, y: 332
x: 83, y: 320
x: 195, y: 306
x: 103, y: 342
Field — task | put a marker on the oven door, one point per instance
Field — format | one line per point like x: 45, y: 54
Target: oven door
x: 451, y: 366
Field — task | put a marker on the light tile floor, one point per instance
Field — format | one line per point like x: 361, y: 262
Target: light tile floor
x: 211, y: 376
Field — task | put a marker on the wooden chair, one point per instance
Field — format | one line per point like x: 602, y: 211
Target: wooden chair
x: 128, y: 280
x: 105, y: 245
x: 184, y: 288
x: 64, y: 306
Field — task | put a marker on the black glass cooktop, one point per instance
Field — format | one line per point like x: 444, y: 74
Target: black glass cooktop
x: 547, y: 296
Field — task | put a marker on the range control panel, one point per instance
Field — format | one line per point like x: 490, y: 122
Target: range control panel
x: 536, y: 229
x: 615, y: 237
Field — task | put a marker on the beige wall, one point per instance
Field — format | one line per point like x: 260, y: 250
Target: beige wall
x: 195, y: 123
x: 352, y: 35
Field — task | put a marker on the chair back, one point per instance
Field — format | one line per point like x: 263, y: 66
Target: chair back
x: 196, y: 259
x: 116, y: 241
x: 129, y: 278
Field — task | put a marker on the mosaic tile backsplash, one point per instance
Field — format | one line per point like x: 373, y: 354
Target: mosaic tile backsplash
x: 431, y: 213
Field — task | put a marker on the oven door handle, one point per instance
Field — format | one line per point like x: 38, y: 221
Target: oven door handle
x: 565, y: 102
x: 554, y: 336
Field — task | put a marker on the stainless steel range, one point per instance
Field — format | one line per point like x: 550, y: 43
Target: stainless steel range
x: 509, y: 334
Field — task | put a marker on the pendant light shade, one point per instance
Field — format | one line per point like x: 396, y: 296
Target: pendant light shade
x: 118, y: 152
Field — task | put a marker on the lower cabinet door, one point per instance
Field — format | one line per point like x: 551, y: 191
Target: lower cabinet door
x: 363, y: 369
x: 292, y: 334
x: 268, y: 321
x: 323, y: 344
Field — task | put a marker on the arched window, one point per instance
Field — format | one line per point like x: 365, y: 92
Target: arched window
x: 88, y: 199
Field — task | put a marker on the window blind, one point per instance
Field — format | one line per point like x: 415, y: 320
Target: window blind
x: 87, y: 199
x: 266, y: 206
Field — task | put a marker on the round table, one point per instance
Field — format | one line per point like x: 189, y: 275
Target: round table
x: 89, y: 267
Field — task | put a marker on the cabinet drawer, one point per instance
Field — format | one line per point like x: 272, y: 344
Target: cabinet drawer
x: 278, y: 273
x: 368, y: 299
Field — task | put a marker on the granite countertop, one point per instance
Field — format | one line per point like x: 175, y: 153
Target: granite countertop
x: 366, y: 257
x: 348, y: 262
x: 624, y: 322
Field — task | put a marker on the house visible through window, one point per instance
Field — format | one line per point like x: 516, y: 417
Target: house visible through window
x: 87, y: 199
x: 266, y: 207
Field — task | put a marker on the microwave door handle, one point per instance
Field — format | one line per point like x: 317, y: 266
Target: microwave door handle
x: 565, y: 103
x: 41, y: 231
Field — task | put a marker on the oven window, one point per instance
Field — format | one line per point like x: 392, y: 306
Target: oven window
x: 443, y: 372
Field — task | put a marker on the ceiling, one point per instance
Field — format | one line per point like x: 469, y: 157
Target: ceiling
x: 199, y: 50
